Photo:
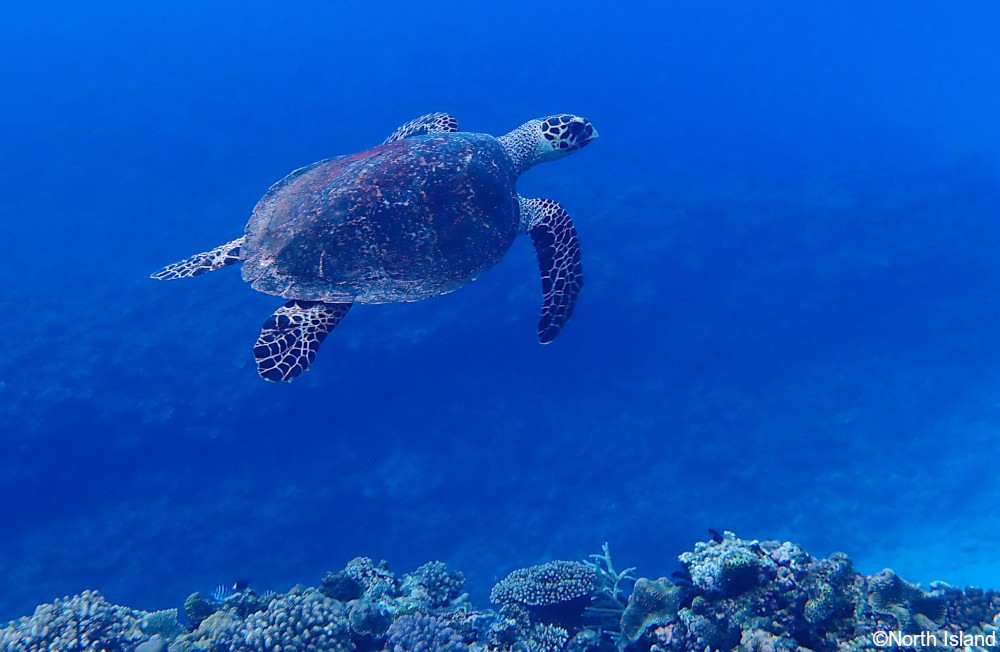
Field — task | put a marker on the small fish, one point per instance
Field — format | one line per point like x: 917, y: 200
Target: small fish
x: 716, y: 537
x: 681, y: 575
x: 222, y: 593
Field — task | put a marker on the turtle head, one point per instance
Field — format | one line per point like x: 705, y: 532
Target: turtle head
x: 547, y: 139
x: 559, y: 135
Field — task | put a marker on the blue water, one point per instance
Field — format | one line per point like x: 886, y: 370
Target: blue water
x: 790, y: 326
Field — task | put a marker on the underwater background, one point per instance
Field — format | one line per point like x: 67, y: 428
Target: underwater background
x: 790, y: 326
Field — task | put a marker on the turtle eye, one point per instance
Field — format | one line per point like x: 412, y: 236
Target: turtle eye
x: 578, y: 133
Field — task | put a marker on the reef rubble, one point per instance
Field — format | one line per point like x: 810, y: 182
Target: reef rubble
x: 728, y: 594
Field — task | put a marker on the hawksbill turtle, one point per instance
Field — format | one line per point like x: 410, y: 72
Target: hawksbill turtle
x: 424, y: 213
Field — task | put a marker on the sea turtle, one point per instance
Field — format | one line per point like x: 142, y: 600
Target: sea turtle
x: 424, y: 213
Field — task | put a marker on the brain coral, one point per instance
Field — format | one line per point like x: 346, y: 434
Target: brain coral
x: 546, y: 584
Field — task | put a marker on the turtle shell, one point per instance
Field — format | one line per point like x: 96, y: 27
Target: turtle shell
x: 403, y: 221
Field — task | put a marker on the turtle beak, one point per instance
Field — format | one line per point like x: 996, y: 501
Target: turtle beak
x: 587, y: 133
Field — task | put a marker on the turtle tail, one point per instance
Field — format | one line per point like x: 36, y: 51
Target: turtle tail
x: 202, y: 263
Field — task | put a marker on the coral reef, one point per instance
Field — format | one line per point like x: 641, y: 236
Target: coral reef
x: 732, y: 594
x: 769, y: 596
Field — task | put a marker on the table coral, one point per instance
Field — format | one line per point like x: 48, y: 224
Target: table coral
x: 546, y: 584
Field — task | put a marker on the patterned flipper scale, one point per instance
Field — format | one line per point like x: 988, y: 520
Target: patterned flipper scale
x: 558, y: 250
x: 432, y: 123
x: 291, y: 337
x: 202, y: 263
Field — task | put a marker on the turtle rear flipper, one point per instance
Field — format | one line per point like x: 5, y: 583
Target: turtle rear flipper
x: 202, y: 263
x: 291, y: 337
x: 558, y: 250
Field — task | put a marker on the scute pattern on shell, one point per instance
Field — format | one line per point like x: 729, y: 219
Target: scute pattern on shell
x: 412, y: 219
x: 545, y: 584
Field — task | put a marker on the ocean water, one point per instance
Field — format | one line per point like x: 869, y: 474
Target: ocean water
x: 790, y: 326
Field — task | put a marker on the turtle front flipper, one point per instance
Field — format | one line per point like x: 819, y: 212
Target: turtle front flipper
x: 202, y: 263
x: 558, y: 251
x: 432, y: 123
x: 291, y: 337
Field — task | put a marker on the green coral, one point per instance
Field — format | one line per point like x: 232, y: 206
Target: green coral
x: 832, y: 587
x: 739, y: 571
x: 821, y: 606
